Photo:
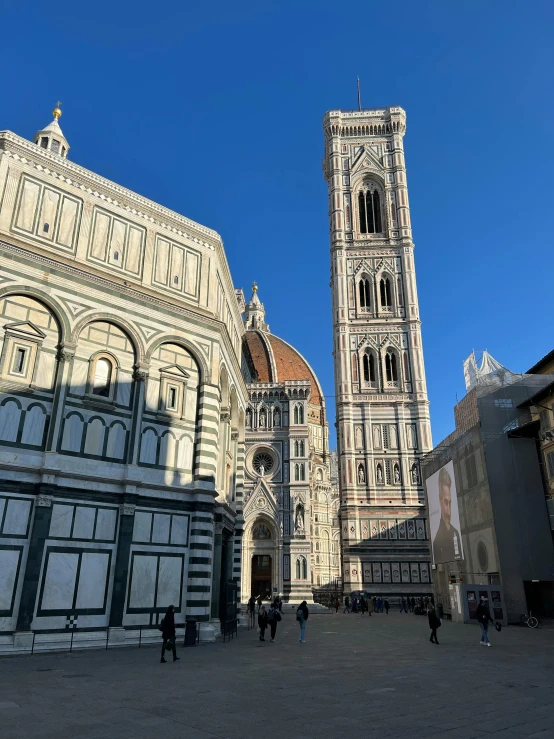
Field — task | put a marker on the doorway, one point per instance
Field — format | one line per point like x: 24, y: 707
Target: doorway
x: 261, y: 576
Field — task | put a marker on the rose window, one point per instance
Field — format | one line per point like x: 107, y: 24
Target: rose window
x: 263, y: 460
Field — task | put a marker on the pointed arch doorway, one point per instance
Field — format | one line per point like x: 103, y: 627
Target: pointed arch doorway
x: 261, y: 576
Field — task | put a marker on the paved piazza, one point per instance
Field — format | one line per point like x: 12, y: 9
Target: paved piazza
x: 354, y: 677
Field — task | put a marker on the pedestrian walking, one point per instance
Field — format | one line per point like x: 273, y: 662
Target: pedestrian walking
x: 302, y: 616
x: 403, y: 605
x: 337, y: 604
x: 369, y: 606
x: 262, y: 622
x: 346, y: 605
x: 259, y: 602
x: 379, y: 605
x: 251, y: 605
x: 167, y: 627
x: 386, y: 604
x: 434, y: 624
x: 412, y: 604
x: 273, y: 618
x: 484, y: 618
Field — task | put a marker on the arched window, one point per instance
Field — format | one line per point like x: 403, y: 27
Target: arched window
x: 391, y: 367
x: 365, y: 295
x: 297, y: 472
x: 298, y: 570
x: 385, y: 293
x: 295, y: 414
x: 302, y: 472
x: 301, y: 448
x: 298, y: 414
x: 317, y: 560
x: 296, y: 449
x: 317, y: 546
x: 369, y: 208
x: 369, y: 367
x: 304, y: 569
x: 102, y: 378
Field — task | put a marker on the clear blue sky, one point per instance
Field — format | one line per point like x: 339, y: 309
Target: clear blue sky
x: 214, y: 110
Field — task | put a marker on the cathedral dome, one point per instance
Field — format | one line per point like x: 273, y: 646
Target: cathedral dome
x: 276, y: 361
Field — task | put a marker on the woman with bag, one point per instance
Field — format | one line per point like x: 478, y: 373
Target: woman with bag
x: 434, y: 624
x: 167, y: 627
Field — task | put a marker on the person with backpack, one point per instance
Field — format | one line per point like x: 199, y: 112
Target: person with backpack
x: 302, y: 616
x: 273, y: 618
x: 434, y: 624
x: 167, y: 627
x: 262, y: 622
x: 484, y: 618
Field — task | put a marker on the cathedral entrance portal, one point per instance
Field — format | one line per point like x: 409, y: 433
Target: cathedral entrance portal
x: 261, y: 576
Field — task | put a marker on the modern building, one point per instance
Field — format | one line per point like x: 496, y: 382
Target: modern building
x: 486, y: 500
x: 381, y: 397
x: 290, y: 539
x: 122, y: 404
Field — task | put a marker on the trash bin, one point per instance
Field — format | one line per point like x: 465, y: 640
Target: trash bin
x: 190, y: 633
x: 440, y: 611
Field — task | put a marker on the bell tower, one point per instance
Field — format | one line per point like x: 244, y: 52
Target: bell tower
x: 383, y: 426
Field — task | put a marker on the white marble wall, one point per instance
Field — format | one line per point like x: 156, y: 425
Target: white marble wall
x: 15, y: 520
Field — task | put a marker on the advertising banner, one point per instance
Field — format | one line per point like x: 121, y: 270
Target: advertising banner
x: 444, y: 517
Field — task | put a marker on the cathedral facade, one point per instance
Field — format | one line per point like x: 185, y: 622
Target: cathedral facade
x: 290, y: 538
x: 381, y: 397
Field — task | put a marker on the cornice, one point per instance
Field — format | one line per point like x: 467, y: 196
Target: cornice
x: 51, y: 164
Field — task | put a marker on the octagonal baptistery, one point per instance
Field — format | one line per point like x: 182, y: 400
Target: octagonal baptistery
x: 290, y: 543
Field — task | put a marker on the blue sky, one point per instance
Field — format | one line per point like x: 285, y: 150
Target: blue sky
x: 215, y: 110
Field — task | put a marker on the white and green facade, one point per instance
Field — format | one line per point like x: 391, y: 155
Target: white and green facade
x: 122, y: 405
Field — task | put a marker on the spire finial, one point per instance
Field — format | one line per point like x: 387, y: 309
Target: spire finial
x: 254, y: 287
x: 57, y: 111
x: 359, y: 96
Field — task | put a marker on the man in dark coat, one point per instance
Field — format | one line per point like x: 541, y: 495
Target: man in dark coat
x: 484, y: 618
x: 262, y: 622
x: 168, y: 634
x: 434, y: 624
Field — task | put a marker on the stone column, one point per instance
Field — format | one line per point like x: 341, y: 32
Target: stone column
x: 121, y: 572
x: 206, y: 450
x: 140, y: 376
x: 65, y: 356
x: 216, y: 571
x: 39, y: 534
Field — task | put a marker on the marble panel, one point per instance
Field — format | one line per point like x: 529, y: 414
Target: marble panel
x: 9, y: 421
x: 9, y: 560
x: 168, y: 448
x: 134, y: 250
x: 177, y: 266
x: 143, y: 582
x: 116, y: 441
x: 28, y: 205
x: 79, y: 376
x: 68, y: 220
x: 142, y: 526
x: 149, y: 446
x: 161, y: 262
x: 124, y: 385
x: 60, y: 523
x: 117, y: 243
x: 95, y: 437
x: 179, y: 527
x: 100, y: 236
x: 33, y: 426
x: 92, y: 580
x: 17, y: 517
x: 45, y: 370
x: 191, y: 273
x: 152, y: 394
x: 170, y: 577
x: 83, y: 525
x: 184, y: 453
x: 160, y: 530
x: 105, y: 524
x: 72, y: 433
x: 59, y: 581
x: 47, y: 219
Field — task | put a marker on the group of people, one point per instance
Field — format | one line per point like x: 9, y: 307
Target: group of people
x: 362, y: 605
x: 274, y: 615
x: 483, y: 617
x: 257, y: 602
x: 420, y: 606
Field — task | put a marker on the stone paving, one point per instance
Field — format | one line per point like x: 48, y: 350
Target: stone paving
x: 354, y: 677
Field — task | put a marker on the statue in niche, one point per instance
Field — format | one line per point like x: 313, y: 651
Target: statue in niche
x: 276, y: 418
x: 249, y: 418
x: 261, y: 531
x: 262, y: 419
x: 299, y: 518
x: 396, y: 473
x: 261, y: 471
x: 379, y: 474
x: 415, y: 475
x: 361, y: 474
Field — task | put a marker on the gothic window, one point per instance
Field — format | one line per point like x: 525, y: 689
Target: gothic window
x: 391, y: 367
x: 304, y: 569
x: 297, y: 472
x: 369, y: 208
x: 302, y: 472
x: 365, y: 295
x: 298, y: 414
x: 301, y: 448
x: 295, y: 414
x: 385, y: 292
x: 301, y: 569
x: 354, y: 367
x: 369, y: 367
x: 298, y: 570
x: 296, y: 449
